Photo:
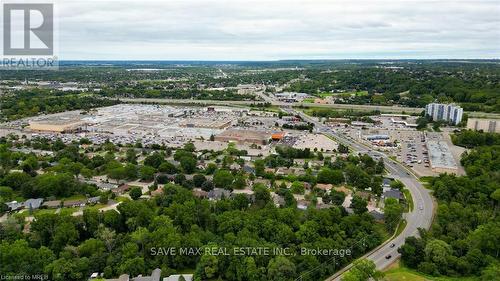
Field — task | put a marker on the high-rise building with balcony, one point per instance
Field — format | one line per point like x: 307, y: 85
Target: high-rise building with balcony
x: 444, y: 112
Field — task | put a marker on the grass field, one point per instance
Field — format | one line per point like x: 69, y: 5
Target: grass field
x: 345, y: 94
x: 399, y: 273
x: 409, y: 199
x: 401, y: 226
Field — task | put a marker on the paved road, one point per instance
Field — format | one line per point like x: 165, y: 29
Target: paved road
x: 419, y: 217
x: 395, y: 109
x: 381, y: 108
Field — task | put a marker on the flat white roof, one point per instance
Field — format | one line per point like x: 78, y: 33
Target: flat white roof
x: 440, y: 155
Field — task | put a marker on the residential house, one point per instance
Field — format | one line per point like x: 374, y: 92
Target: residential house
x: 52, y: 204
x: 200, y: 193
x: 75, y: 203
x: 33, y: 204
x: 269, y: 170
x: 155, y: 276
x: 386, y: 182
x: 343, y: 189
x: 323, y: 206
x: 103, y: 185
x: 278, y: 200
x: 144, y: 186
x: 235, y: 166
x: 278, y: 183
x: 218, y: 194
x: 121, y: 189
x: 157, y: 192
x: 303, y: 204
x: 324, y: 187
x: 264, y: 182
x: 14, y: 205
x: 176, y: 277
x: 393, y: 193
x: 248, y: 169
x: 93, y: 200
x: 378, y: 216
x: 247, y: 192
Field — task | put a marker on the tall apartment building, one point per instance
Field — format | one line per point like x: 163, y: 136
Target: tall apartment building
x: 444, y: 112
x: 486, y: 125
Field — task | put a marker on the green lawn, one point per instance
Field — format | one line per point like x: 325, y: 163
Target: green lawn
x: 346, y: 94
x: 401, y: 227
x: 409, y: 199
x: 399, y: 273
x: 326, y: 94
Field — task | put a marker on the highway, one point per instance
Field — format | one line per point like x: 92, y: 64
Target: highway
x: 265, y: 98
x: 420, y: 217
x: 381, y: 108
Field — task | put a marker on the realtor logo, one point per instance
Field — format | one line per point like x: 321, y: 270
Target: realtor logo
x: 28, y: 29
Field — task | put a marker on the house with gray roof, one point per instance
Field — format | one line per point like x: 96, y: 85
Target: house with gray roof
x: 176, y: 277
x: 14, y: 205
x: 218, y: 194
x: 393, y: 193
x: 155, y: 276
x: 33, y: 204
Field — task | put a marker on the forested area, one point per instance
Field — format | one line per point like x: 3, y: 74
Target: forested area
x: 464, y: 239
x: 69, y: 248
x: 470, y: 139
x: 28, y: 103
x: 114, y: 242
x: 160, y: 92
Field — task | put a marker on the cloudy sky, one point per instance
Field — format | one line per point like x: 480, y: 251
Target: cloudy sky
x: 277, y: 29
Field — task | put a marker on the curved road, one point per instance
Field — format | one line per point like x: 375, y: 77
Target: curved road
x: 419, y: 217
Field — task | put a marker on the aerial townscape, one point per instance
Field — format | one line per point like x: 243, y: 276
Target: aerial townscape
x: 249, y: 170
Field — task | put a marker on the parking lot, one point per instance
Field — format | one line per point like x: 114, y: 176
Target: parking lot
x: 413, y: 152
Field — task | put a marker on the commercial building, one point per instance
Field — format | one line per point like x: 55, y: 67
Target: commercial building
x: 377, y: 137
x: 291, y: 97
x: 57, y: 126
x: 485, y: 125
x: 404, y: 123
x: 205, y: 123
x: 444, y: 112
x: 244, y: 136
x: 440, y: 157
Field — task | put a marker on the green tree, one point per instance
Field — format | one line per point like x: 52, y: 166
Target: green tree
x: 135, y: 193
x: 393, y: 212
x: 280, y: 269
x: 147, y: 173
x: 223, y: 179
x: 199, y: 179
x: 188, y: 164
x: 438, y: 252
x: 208, y: 267
x: 133, y: 266
x: 327, y: 175
x: 167, y: 167
x: 297, y: 187
x: 154, y: 160
x: 362, y: 270
x: 358, y: 205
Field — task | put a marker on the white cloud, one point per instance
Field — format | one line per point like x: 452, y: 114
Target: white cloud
x: 257, y: 29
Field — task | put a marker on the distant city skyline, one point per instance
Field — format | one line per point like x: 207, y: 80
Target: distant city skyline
x: 259, y: 30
